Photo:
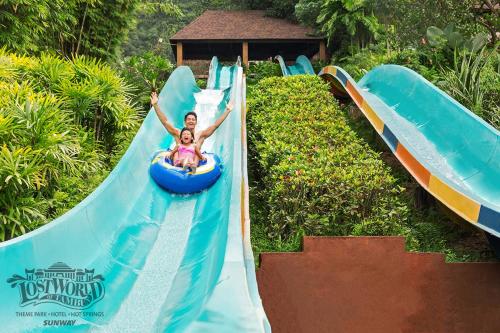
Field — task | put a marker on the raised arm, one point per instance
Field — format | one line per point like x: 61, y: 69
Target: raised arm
x: 161, y: 116
x: 211, y: 129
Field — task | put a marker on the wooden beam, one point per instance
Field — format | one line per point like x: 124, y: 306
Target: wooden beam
x: 322, y: 51
x: 179, y: 53
x: 245, y: 53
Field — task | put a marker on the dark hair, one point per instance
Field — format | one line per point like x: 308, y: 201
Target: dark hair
x: 189, y: 114
x: 186, y: 129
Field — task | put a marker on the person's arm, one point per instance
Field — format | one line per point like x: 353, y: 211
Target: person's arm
x: 198, y: 152
x: 173, y: 151
x: 211, y: 129
x: 161, y: 116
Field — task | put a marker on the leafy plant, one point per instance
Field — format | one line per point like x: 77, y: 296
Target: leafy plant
x: 349, y: 16
x: 70, y: 27
x: 147, y: 71
x: 453, y: 39
x: 262, y: 69
x: 465, y: 82
x: 58, y: 118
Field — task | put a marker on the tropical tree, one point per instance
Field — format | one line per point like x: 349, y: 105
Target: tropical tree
x: 158, y: 20
x: 36, y: 25
x: 337, y: 17
x: 57, y: 119
x: 72, y: 27
x: 487, y: 13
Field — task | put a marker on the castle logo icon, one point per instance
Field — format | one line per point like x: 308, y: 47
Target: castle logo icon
x: 60, y: 284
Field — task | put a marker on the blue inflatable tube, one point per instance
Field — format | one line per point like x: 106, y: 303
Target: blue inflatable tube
x: 177, y: 180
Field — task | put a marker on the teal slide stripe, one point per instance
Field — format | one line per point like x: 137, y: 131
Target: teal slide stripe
x: 170, y: 263
x: 449, y: 141
x: 302, y: 66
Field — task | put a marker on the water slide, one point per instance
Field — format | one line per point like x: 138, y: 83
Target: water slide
x: 134, y: 258
x: 302, y: 65
x: 451, y: 152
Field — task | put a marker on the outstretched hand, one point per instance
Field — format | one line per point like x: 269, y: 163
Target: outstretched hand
x: 229, y: 105
x: 154, y: 98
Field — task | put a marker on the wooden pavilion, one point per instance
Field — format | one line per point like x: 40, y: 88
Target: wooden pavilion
x: 246, y: 33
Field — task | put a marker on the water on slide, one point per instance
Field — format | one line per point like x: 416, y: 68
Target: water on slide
x: 456, y: 152
x: 134, y: 258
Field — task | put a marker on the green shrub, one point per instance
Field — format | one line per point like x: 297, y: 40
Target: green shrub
x: 95, y: 95
x: 58, y: 119
x: 474, y: 82
x: 317, y: 176
x: 261, y: 70
x: 312, y: 172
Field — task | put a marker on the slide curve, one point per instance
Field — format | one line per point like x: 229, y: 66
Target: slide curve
x: 134, y: 258
x: 302, y: 65
x: 451, y: 152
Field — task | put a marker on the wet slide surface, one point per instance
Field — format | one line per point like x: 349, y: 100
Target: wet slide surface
x: 302, y: 65
x: 451, y: 152
x: 134, y: 258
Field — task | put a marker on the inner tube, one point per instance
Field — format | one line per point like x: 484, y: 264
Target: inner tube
x: 177, y: 180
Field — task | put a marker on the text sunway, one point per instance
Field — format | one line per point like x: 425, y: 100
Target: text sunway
x: 59, y: 322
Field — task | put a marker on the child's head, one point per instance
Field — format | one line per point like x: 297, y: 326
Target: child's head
x: 186, y: 136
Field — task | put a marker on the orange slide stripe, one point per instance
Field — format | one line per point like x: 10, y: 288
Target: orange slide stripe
x: 354, y: 93
x: 376, y: 122
x: 416, y: 169
x: 462, y: 205
x: 330, y: 70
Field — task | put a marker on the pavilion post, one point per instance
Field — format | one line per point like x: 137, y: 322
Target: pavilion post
x: 322, y: 51
x: 245, y: 53
x: 179, y: 53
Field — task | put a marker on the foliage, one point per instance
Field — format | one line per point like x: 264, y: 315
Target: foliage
x: 307, y: 11
x: 487, y: 14
x: 454, y: 40
x: 148, y: 72
x: 74, y: 27
x: 53, y: 115
x: 36, y: 26
x: 412, y: 18
x: 201, y: 83
x: 331, y: 182
x: 155, y: 24
x: 360, y: 63
x: 275, y: 8
x: 327, y: 183
x: 351, y: 16
x: 465, y: 82
x: 261, y: 70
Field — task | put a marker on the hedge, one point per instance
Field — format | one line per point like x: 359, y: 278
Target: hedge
x: 315, y: 175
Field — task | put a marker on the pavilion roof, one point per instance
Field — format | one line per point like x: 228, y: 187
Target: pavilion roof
x: 242, y: 25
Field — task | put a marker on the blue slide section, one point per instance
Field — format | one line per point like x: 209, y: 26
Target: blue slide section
x: 450, y: 151
x: 302, y: 66
x: 134, y: 258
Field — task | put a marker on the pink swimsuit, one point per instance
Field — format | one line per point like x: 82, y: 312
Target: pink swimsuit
x: 183, y: 153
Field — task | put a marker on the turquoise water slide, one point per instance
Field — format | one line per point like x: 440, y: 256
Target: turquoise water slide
x: 451, y: 152
x: 302, y: 65
x: 134, y: 258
